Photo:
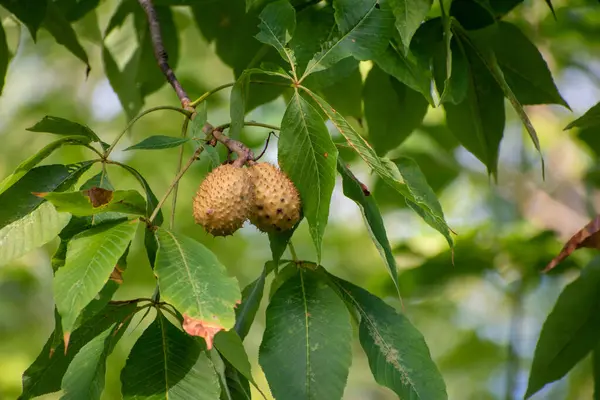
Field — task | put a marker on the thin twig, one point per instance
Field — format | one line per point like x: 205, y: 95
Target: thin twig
x: 200, y: 99
x: 174, y: 183
x: 265, y: 148
x: 160, y: 53
x: 184, y: 129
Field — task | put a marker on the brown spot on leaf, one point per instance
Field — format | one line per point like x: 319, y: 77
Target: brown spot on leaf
x: 66, y: 337
x: 98, y: 196
x: 204, y: 329
x: 326, y: 155
x: 588, y: 236
x: 365, y: 189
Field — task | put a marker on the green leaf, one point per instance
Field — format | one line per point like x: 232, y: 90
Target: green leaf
x: 165, y: 363
x: 406, y: 70
x: 345, y: 95
x: 74, y: 10
x: 18, y: 201
x: 192, y: 279
x: 99, y: 180
x: 364, y: 32
x: 277, y: 26
x: 237, y: 104
x: 570, y: 331
x: 46, y: 372
x: 591, y: 119
x: 251, y: 298
x: 61, y: 126
x: 278, y: 242
x: 307, y: 323
x: 524, y: 68
x: 456, y: 85
x: 596, y: 371
x: 392, y: 110
x: 4, y: 57
x: 35, y: 159
x: 230, y: 346
x: 84, y: 378
x: 308, y: 156
x: 91, y: 257
x: 158, y: 142
x: 313, y: 27
x: 388, y: 173
x: 354, y: 190
x: 29, y: 12
x: 58, y: 26
x: 151, y: 200
x: 398, y: 355
x: 82, y: 203
x: 30, y: 232
x: 123, y: 82
x: 478, y: 122
x: 409, y: 14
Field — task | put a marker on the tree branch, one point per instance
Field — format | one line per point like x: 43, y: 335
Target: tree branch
x: 161, y: 54
x: 244, y: 154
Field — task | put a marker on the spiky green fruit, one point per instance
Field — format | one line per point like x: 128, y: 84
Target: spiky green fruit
x: 224, y: 200
x: 276, y: 200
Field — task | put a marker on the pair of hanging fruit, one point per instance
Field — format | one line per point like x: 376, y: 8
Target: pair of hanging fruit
x: 261, y: 193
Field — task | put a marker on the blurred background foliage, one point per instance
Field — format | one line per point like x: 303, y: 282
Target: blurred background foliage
x: 481, y: 316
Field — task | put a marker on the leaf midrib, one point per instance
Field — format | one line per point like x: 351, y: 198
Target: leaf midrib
x: 308, y: 366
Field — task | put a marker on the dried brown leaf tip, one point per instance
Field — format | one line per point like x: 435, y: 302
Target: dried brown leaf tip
x: 204, y: 329
x: 588, y: 237
x: 117, y: 275
x: 98, y: 196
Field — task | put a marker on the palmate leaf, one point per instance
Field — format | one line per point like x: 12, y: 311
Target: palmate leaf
x: 35, y: 159
x: 570, y: 331
x: 308, y: 156
x: 277, y: 26
x: 17, y: 201
x: 30, y: 232
x: 192, y: 279
x: 165, y: 363
x: 372, y: 216
x: 429, y: 210
x: 307, y: 323
x: 91, y: 258
x: 47, y: 371
x: 365, y: 29
x: 96, y: 200
x: 398, y: 355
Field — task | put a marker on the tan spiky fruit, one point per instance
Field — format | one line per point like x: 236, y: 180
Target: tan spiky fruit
x: 224, y: 200
x: 276, y: 200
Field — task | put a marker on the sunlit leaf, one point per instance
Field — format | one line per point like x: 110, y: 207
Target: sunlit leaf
x: 277, y: 26
x: 570, y: 331
x: 32, y: 231
x: 18, y: 201
x: 123, y: 81
x: 356, y: 191
x: 61, y: 126
x: 46, y: 372
x: 409, y: 14
x: 91, y: 257
x: 591, y: 119
x: 308, y: 155
x: 192, y: 279
x: 365, y: 29
x: 398, y: 355
x: 88, y: 202
x: 386, y: 170
x: 307, y: 323
x: 165, y: 363
x: 230, y: 346
x: 151, y: 200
